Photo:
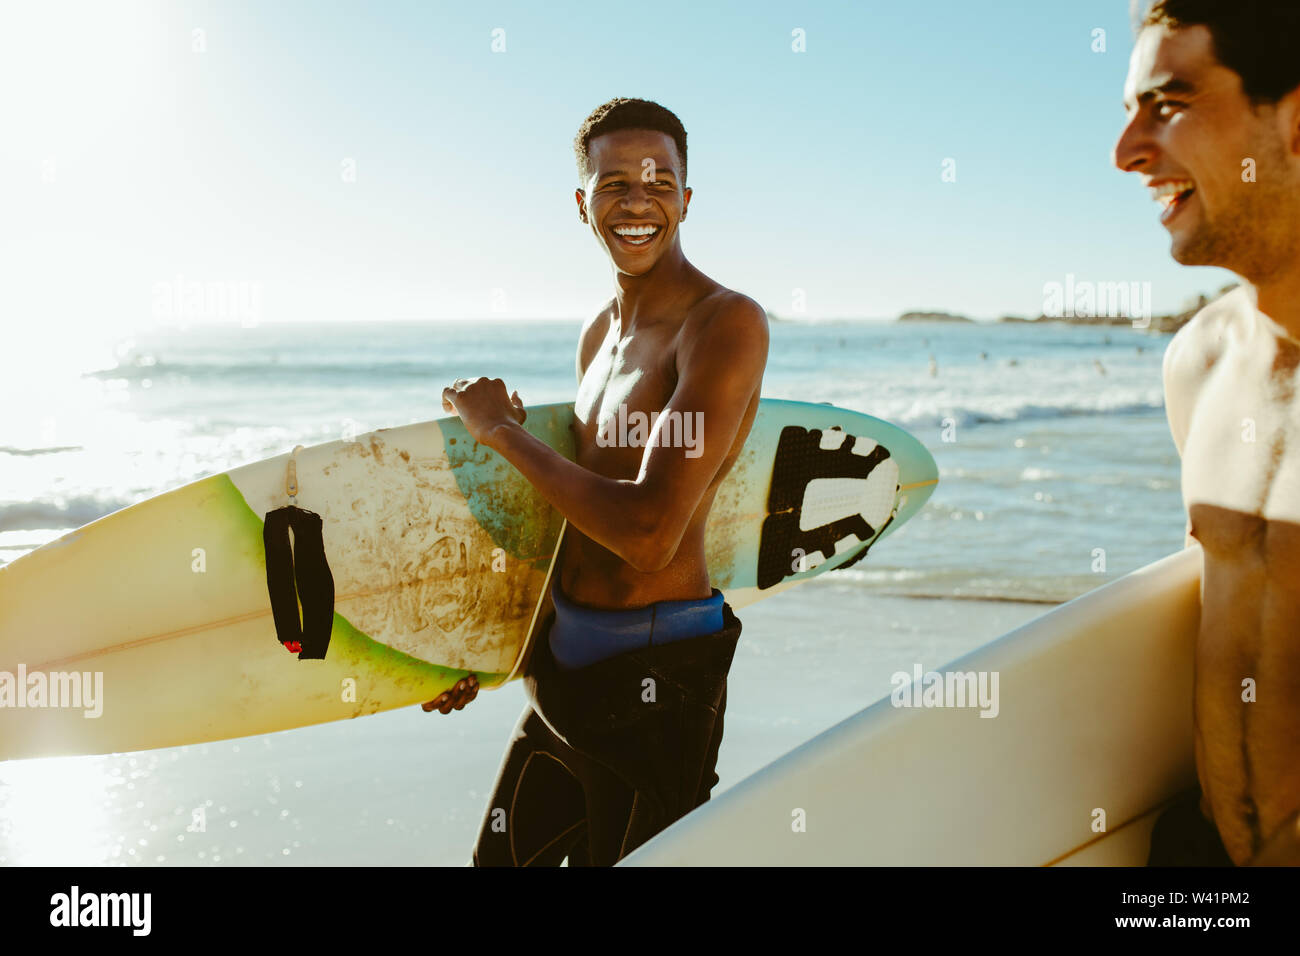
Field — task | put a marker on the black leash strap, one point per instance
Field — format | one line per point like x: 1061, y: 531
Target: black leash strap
x: 299, y: 572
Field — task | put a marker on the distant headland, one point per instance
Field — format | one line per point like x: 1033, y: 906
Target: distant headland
x: 932, y: 317
x: 1158, y: 323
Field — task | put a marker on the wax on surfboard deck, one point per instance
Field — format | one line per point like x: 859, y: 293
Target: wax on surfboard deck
x: 1095, y: 712
x: 439, y: 552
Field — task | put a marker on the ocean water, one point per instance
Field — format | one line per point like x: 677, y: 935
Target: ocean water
x: 1048, y: 464
x: 1057, y: 470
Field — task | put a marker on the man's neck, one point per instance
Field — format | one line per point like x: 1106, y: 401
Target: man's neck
x: 1279, y: 299
x: 653, y: 293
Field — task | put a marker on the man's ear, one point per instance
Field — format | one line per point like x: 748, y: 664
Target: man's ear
x: 580, y: 195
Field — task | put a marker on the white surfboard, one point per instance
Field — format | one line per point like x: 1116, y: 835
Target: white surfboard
x: 1092, y: 738
x: 431, y: 556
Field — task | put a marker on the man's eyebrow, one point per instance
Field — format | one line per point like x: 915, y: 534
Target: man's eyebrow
x: 1175, y: 86
x: 659, y: 171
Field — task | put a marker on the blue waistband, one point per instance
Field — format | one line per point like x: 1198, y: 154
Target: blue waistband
x: 583, y: 635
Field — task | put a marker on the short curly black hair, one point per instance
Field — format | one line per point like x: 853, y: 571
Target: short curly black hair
x: 625, y: 113
x: 1256, y: 39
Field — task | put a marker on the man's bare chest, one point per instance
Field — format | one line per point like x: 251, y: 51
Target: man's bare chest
x: 625, y: 387
x: 1241, y: 459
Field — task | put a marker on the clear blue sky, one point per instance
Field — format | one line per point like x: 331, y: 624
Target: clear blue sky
x: 130, y: 159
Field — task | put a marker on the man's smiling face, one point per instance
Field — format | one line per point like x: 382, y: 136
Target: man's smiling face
x: 634, y: 197
x: 1190, y: 130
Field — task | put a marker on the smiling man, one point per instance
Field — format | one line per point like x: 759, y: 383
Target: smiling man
x: 1213, y: 131
x: 627, y: 684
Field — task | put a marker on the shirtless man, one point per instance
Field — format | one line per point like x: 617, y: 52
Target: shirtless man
x: 622, y: 764
x: 1213, y: 104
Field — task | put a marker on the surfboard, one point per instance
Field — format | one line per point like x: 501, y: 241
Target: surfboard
x: 1092, y: 738
x: 357, y: 576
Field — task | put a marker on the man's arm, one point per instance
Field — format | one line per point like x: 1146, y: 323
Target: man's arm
x: 1189, y: 361
x: 643, y: 520
x: 1176, y: 388
x: 1282, y: 848
x: 1177, y: 409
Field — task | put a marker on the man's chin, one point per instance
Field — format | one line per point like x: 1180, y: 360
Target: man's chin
x: 1193, y: 251
x: 637, y: 267
x: 1185, y: 256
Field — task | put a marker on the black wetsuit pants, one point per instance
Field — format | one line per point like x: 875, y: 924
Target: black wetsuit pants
x: 1183, y: 837
x: 606, y: 756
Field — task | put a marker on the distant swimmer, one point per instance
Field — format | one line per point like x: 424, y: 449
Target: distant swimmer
x: 1101, y: 369
x: 934, y: 367
x: 984, y: 356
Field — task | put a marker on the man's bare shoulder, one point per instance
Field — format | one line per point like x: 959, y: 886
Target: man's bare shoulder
x: 740, y: 307
x: 1192, y: 355
x: 1201, y: 342
x: 727, y: 316
x: 593, y: 333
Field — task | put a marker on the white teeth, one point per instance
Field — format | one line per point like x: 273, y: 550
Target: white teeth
x: 636, y: 230
x: 1165, y: 193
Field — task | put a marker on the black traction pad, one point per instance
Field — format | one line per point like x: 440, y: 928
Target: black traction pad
x: 799, y: 460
